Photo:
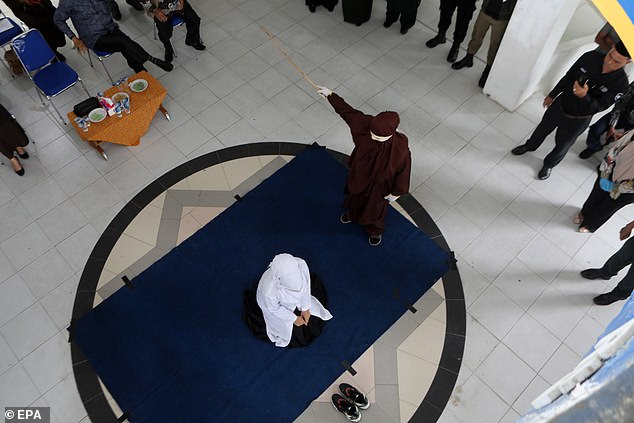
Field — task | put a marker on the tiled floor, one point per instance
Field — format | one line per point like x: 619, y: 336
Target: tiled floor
x: 529, y: 313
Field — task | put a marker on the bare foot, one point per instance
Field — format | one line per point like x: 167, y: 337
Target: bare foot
x: 578, y: 219
x: 584, y: 230
x: 20, y: 150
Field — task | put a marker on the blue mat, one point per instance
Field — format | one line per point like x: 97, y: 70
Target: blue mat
x: 174, y: 348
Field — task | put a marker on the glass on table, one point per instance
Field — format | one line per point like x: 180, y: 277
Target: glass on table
x: 119, y: 110
x: 126, y: 106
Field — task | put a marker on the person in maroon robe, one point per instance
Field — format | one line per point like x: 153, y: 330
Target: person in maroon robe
x: 380, y: 166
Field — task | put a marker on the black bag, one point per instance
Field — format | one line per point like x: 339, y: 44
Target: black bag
x: 82, y: 109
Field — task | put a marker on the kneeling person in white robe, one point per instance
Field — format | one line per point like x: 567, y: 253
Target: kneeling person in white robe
x: 284, y: 295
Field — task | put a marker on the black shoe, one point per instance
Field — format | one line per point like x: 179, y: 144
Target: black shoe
x: 484, y: 76
x: 20, y: 172
x: 438, y: 39
x: 609, y: 298
x: 24, y: 155
x: 169, y: 55
x: 544, y: 173
x: 587, y: 153
x: 198, y: 45
x: 312, y: 8
x: 519, y: 150
x: 344, y: 218
x: 344, y: 406
x: 354, y: 396
x: 465, y: 62
x: 135, y: 4
x: 167, y: 67
x: 115, y: 11
x: 404, y: 30
x: 453, y: 53
x: 594, y: 274
x: 331, y: 8
x: 387, y: 23
x: 375, y: 240
x: 59, y: 56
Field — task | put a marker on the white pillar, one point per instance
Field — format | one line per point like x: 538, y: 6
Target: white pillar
x: 532, y: 35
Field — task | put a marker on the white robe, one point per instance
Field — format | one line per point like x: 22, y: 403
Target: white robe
x: 284, y: 286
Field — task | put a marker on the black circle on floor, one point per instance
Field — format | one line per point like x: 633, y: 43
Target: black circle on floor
x: 90, y: 390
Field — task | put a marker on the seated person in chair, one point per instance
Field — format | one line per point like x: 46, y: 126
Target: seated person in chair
x: 96, y: 29
x: 289, y: 310
x: 162, y: 11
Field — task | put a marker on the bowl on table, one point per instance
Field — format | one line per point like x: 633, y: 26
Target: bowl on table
x: 119, y: 97
x: 97, y: 115
x: 138, y: 85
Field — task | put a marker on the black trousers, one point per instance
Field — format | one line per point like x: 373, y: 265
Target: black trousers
x: 407, y: 14
x: 192, y: 23
x: 599, y: 207
x: 463, y: 17
x: 568, y: 129
x: 620, y: 259
x: 118, y: 42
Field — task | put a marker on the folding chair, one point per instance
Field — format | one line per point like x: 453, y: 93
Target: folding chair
x: 101, y: 55
x: 8, y: 30
x: 50, y: 76
x: 176, y: 22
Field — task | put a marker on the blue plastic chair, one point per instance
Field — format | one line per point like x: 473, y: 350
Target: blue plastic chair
x: 8, y: 35
x: 176, y: 22
x: 50, y: 76
x: 101, y: 55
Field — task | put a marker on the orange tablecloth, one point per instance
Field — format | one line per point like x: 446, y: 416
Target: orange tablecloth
x: 128, y: 129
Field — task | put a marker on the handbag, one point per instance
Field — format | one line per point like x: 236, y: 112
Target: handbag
x: 82, y: 109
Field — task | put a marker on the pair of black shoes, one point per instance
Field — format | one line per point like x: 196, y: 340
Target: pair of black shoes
x: 350, y: 402
x: 609, y: 297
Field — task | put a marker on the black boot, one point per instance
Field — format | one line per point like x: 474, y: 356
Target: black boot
x: 453, y: 52
x: 169, y: 55
x: 465, y: 62
x: 167, y: 67
x: 438, y: 39
x: 485, y: 76
x: 312, y: 8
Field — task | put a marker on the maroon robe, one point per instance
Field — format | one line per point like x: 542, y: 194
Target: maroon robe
x: 376, y: 168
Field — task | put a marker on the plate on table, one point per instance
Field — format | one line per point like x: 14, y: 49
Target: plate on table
x: 138, y: 85
x: 118, y: 97
x: 97, y: 115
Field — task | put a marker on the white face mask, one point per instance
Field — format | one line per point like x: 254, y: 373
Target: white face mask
x: 378, y: 138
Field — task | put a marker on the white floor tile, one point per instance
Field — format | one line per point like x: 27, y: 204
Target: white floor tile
x: 535, y: 349
x: 495, y: 311
x: 475, y: 398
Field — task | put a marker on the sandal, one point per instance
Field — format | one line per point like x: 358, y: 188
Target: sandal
x: 578, y: 219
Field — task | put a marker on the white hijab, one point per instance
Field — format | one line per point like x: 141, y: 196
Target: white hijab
x: 284, y: 286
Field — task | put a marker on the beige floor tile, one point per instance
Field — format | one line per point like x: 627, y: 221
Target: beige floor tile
x: 204, y: 215
x: 440, y: 313
x: 158, y: 201
x: 439, y: 288
x: 239, y: 170
x: 182, y: 184
x: 188, y: 227
x: 105, y: 277
x: 126, y: 251
x: 363, y: 380
x: 264, y: 160
x: 97, y: 300
x: 212, y: 178
x: 145, y: 225
x: 407, y: 411
x: 186, y: 210
x: 414, y: 377
x: 418, y: 343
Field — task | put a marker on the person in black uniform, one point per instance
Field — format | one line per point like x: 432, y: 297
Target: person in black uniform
x: 593, y: 83
x: 614, y: 125
x: 406, y: 9
x: 463, y: 17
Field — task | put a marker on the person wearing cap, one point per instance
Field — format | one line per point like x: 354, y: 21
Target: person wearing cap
x: 380, y: 166
x: 593, y: 83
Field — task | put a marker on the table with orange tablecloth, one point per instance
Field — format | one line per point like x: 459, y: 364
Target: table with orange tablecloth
x: 128, y: 129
